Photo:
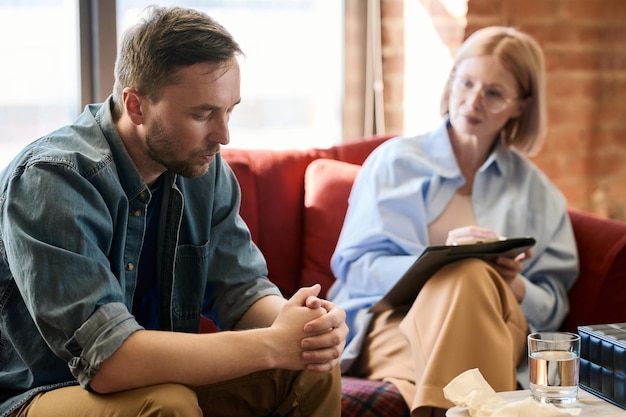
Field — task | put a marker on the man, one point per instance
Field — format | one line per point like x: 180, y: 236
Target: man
x: 119, y: 231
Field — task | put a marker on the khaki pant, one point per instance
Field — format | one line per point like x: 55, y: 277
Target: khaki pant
x: 466, y: 316
x: 267, y: 393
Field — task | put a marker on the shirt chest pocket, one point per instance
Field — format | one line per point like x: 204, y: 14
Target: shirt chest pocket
x: 190, y: 278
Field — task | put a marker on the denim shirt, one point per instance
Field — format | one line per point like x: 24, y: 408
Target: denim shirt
x: 72, y: 221
x: 405, y: 184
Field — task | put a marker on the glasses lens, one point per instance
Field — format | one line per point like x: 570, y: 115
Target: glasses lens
x: 493, y: 100
x: 494, y: 104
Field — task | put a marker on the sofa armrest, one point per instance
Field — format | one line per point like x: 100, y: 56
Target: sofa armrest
x: 599, y: 294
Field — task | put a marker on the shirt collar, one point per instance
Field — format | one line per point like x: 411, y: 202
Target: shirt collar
x: 129, y: 176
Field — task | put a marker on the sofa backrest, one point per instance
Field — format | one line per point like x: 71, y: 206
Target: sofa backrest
x: 294, y: 203
x: 272, y: 200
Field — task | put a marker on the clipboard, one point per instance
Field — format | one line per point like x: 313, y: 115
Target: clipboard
x: 435, y: 257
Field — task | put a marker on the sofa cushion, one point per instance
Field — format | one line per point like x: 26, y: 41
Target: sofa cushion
x: 272, y: 192
x: 272, y: 197
x: 327, y: 185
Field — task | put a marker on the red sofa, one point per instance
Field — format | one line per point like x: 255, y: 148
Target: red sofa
x: 294, y: 202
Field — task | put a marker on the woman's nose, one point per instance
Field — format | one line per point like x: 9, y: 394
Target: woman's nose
x: 475, y: 96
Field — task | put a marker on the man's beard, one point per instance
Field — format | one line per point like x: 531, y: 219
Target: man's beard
x: 162, y: 147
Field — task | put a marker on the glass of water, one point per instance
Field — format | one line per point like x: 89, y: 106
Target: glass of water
x: 554, y: 361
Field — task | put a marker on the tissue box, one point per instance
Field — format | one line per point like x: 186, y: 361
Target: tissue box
x: 603, y: 361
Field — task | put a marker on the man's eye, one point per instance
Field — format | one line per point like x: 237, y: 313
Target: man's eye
x: 204, y: 116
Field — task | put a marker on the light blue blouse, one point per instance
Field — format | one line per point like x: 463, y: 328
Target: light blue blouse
x: 405, y: 184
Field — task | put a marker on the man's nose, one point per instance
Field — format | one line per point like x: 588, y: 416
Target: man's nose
x: 220, y: 132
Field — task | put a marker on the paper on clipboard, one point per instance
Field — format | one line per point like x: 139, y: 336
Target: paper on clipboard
x: 435, y: 257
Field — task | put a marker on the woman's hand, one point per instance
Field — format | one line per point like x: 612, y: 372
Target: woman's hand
x: 510, y: 269
x: 467, y: 234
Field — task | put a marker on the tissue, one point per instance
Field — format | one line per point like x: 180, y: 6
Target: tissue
x: 470, y: 390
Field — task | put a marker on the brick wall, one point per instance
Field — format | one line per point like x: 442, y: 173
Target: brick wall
x: 584, y: 42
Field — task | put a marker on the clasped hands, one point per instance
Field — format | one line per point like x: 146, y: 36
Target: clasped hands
x: 313, y: 331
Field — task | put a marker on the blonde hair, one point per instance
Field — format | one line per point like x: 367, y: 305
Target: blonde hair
x: 519, y: 53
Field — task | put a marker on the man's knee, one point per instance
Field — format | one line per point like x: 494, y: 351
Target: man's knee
x: 166, y: 400
x: 170, y: 400
x: 319, y: 394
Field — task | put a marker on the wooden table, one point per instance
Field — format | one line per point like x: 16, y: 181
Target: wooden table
x: 589, y: 405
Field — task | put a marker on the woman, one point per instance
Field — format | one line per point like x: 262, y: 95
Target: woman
x: 468, y: 179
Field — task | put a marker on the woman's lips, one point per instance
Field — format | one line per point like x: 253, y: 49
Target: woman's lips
x: 472, y: 120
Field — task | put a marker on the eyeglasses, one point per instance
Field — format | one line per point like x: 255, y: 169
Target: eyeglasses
x: 493, y: 97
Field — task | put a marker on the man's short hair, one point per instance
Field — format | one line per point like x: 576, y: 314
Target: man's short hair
x: 164, y: 40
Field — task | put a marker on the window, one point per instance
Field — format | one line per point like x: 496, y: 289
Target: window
x: 291, y: 75
x: 39, y: 72
x: 292, y: 82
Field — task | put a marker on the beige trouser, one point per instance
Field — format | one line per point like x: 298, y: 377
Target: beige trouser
x: 267, y: 393
x: 466, y: 316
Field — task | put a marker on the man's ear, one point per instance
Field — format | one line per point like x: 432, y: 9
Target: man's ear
x: 132, y: 105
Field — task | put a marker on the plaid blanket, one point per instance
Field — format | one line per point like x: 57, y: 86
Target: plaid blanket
x: 365, y: 398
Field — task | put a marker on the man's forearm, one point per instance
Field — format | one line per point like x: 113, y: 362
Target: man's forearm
x: 149, y: 357
x: 262, y: 313
x: 153, y: 357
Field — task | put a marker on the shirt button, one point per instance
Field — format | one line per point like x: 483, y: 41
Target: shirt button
x: 137, y: 213
x: 130, y: 266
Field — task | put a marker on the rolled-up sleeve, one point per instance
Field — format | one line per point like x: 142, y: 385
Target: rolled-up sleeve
x: 98, y: 338
x: 58, y: 250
